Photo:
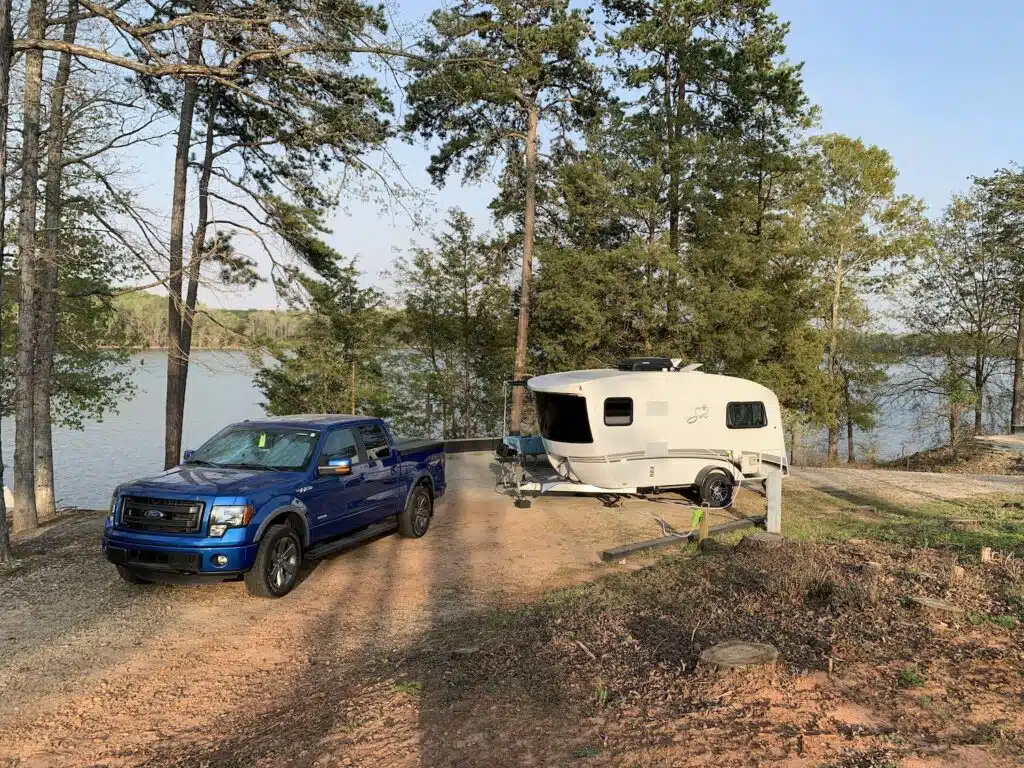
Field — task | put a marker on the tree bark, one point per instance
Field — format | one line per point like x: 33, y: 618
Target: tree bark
x: 6, y: 43
x: 175, y: 413
x: 979, y: 394
x: 197, y: 254
x: 796, y: 445
x: 24, y: 460
x: 518, y: 393
x: 833, y: 355
x: 850, y: 457
x: 1017, y: 412
x: 46, y: 345
x: 832, y: 457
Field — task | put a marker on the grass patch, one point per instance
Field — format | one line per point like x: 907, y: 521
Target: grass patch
x: 814, y: 515
x: 909, y: 677
x: 1006, y: 622
x: 587, y: 752
x: 408, y: 687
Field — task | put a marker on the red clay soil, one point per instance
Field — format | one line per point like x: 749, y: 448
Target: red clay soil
x: 445, y: 652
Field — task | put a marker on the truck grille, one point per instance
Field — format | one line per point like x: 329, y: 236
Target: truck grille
x: 163, y: 515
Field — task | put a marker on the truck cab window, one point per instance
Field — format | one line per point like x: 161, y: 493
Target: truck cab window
x: 618, y: 411
x: 374, y: 441
x: 340, y: 444
x: 745, y: 416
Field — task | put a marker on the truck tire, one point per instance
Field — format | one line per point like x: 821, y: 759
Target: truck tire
x: 414, y: 520
x: 130, y: 576
x: 276, y: 568
x: 716, y: 489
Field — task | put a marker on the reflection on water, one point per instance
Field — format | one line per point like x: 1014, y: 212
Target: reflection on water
x: 130, y: 444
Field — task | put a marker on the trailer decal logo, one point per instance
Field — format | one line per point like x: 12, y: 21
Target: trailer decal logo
x: 700, y: 413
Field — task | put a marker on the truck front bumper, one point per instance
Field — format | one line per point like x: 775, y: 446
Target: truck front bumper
x: 166, y: 562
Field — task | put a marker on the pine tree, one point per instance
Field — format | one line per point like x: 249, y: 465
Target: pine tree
x: 494, y: 71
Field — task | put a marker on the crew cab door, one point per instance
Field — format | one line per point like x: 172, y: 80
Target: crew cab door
x: 385, y: 491
x: 333, y: 497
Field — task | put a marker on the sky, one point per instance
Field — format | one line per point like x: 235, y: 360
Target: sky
x: 939, y: 84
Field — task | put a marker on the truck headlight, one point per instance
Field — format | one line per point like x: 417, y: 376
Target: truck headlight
x: 113, y: 508
x: 227, y: 516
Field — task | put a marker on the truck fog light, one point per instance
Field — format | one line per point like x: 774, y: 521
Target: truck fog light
x: 220, y: 560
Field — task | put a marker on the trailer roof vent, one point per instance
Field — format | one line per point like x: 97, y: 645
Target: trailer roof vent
x: 645, y: 364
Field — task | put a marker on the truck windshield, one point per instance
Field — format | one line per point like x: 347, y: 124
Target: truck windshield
x: 245, y: 447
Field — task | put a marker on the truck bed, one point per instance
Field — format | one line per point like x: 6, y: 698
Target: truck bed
x: 418, y: 445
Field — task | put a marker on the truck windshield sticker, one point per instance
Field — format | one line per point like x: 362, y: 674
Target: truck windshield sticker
x: 263, y: 440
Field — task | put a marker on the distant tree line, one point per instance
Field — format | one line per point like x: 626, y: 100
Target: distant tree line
x: 142, y: 318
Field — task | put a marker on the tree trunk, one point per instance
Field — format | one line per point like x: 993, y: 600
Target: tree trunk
x: 1017, y: 412
x: 833, y: 355
x: 46, y: 345
x: 833, y: 444
x: 198, y: 252
x: 24, y: 460
x: 175, y: 412
x: 954, y: 423
x: 518, y: 393
x: 6, y: 43
x: 850, y: 457
x: 979, y: 394
x: 796, y: 444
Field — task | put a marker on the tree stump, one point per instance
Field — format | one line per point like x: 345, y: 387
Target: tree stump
x: 712, y: 547
x: 735, y: 654
x: 872, y: 576
x: 761, y: 540
x: 937, y: 606
x: 957, y: 574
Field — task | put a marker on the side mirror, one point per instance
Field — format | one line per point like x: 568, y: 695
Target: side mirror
x: 188, y: 455
x: 335, y: 467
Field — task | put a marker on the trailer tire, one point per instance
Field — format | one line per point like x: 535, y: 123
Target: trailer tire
x: 414, y: 520
x: 716, y: 489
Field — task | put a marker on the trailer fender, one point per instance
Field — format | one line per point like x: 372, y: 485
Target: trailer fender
x: 728, y: 468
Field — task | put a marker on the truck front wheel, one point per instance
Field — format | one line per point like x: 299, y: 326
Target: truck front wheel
x: 276, y: 568
x: 414, y: 520
x: 130, y: 576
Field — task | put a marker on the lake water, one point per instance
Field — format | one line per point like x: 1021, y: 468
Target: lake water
x: 130, y: 443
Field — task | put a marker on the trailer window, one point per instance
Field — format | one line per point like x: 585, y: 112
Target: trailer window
x: 563, y: 418
x: 745, y: 416
x: 618, y: 411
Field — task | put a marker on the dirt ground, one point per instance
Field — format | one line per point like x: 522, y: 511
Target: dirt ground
x: 94, y: 672
x: 899, y: 487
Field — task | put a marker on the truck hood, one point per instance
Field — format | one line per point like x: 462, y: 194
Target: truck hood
x: 209, y: 481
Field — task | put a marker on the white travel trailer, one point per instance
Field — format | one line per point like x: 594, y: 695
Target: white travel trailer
x: 652, y: 424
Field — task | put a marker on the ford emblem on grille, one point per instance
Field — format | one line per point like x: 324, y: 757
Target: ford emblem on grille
x: 154, y: 514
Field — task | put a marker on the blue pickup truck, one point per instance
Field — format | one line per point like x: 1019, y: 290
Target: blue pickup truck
x: 260, y: 496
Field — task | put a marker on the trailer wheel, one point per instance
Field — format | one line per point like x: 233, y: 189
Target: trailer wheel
x: 716, y: 489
